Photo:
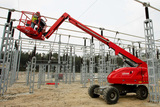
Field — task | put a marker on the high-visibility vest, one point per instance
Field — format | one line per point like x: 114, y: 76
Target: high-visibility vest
x: 35, y: 17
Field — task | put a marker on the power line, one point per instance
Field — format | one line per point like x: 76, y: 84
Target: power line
x: 87, y: 25
x: 88, y: 8
x: 3, y: 17
x: 1, y: 25
x: 85, y: 37
x: 116, y: 32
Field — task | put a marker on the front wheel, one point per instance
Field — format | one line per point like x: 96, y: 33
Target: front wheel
x: 91, y: 91
x: 111, y: 95
x: 142, y: 92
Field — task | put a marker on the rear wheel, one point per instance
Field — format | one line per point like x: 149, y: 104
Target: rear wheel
x: 142, y: 92
x: 91, y: 91
x: 111, y: 95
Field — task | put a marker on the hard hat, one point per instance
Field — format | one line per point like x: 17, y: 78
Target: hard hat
x: 38, y: 13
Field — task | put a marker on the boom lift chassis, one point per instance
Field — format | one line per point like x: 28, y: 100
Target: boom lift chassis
x: 122, y: 80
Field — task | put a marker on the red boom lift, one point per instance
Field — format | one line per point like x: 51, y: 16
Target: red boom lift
x: 123, y: 80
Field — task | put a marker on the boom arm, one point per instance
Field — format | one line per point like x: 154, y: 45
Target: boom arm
x: 118, y: 50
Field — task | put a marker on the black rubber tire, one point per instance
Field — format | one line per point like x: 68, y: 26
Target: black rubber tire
x: 111, y: 95
x: 142, y: 92
x: 91, y: 91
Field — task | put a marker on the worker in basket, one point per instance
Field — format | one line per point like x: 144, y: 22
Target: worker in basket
x: 35, y: 19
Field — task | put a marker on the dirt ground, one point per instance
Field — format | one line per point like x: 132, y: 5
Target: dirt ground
x: 66, y: 95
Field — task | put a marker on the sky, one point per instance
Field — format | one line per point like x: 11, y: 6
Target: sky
x: 120, y: 15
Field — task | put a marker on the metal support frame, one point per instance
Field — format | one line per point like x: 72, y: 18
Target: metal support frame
x: 52, y: 72
x: 49, y: 61
x: 102, y: 65
x: 113, y: 62
x: 32, y: 74
x: 19, y: 54
x: 70, y: 65
x: 28, y: 69
x: 92, y: 64
x: 66, y: 66
x: 5, y: 57
x: 59, y: 62
x: 139, y: 50
x: 74, y: 64
x: 14, y: 63
x: 158, y: 66
x: 56, y: 74
x: 40, y: 77
x: 151, y: 61
x: 108, y: 62
x: 43, y: 74
x: 14, y: 67
x: 84, y: 68
x: 49, y: 69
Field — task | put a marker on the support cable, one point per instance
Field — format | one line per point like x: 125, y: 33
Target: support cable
x: 88, y: 8
x: 95, y: 39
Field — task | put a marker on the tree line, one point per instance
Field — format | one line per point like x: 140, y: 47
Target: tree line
x: 44, y: 58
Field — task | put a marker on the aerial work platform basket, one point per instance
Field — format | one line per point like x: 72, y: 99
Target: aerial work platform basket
x: 25, y: 26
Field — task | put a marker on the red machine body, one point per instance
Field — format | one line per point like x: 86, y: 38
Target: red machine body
x: 126, y: 75
x: 25, y: 26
